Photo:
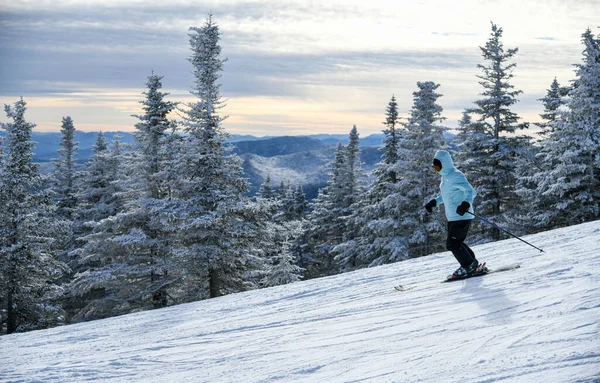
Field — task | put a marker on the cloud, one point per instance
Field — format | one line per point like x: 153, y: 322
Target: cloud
x: 286, y: 55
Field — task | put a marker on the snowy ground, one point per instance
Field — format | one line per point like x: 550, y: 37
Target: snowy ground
x: 540, y: 323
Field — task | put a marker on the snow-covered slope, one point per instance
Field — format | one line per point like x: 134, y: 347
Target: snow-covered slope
x: 540, y: 323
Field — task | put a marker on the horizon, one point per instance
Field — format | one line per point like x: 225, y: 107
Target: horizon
x: 292, y: 69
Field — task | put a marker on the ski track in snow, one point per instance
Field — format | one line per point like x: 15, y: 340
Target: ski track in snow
x: 537, y: 323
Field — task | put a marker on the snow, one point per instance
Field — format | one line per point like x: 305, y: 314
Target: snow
x: 537, y: 323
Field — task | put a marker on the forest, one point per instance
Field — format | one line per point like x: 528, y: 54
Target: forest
x: 168, y: 220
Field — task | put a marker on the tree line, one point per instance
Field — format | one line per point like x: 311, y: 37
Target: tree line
x: 168, y: 220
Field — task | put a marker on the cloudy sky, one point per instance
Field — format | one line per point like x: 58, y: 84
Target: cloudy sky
x: 294, y: 67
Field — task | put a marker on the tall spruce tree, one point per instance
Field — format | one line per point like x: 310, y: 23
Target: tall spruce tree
x: 28, y: 266
x: 284, y: 269
x: 573, y: 182
x: 325, y: 226
x: 418, y: 183
x: 266, y: 189
x: 537, y: 161
x: 553, y: 101
x: 373, y: 235
x: 219, y: 230
x: 65, y: 187
x: 103, y: 258
x: 149, y: 217
x: 328, y: 223
x: 495, y: 153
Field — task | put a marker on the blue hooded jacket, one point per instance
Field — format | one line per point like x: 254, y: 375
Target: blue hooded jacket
x: 454, y: 188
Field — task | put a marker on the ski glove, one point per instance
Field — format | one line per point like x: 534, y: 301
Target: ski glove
x: 463, y: 208
x: 430, y: 205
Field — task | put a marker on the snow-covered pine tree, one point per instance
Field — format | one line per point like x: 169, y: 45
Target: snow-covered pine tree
x: 418, y: 182
x: 287, y: 204
x: 284, y: 269
x: 65, y: 187
x: 151, y: 135
x: 266, y: 189
x: 147, y: 223
x: 97, y: 198
x: 373, y: 236
x: 496, y: 151
x: 99, y: 287
x: 129, y: 248
x: 282, y: 192
x: 537, y: 161
x: 300, y: 202
x: 573, y: 182
x: 356, y: 175
x: 219, y: 229
x: 327, y: 223
x: 28, y: 267
x: 553, y: 101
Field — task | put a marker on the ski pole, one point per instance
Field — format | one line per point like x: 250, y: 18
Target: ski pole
x: 506, y: 231
x: 439, y: 221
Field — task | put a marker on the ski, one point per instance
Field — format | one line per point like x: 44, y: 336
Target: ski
x: 449, y: 279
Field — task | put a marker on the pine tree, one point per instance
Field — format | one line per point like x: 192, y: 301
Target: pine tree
x: 148, y: 219
x: 103, y: 266
x: 97, y: 198
x: 391, y: 142
x: 266, y: 190
x: 355, y: 172
x: 284, y: 270
x: 373, y: 236
x: 28, y: 267
x: 65, y: 187
x: 552, y: 102
x: 572, y: 184
x: 537, y: 161
x: 418, y: 183
x: 151, y: 136
x: 300, y: 202
x: 494, y: 175
x: 219, y: 230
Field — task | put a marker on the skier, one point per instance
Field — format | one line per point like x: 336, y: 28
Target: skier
x: 457, y: 195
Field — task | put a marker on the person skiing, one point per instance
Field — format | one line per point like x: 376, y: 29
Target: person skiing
x: 457, y: 194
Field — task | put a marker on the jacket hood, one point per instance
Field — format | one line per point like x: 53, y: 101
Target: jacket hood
x: 446, y: 160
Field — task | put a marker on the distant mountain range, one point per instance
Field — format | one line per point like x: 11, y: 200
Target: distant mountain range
x: 295, y: 159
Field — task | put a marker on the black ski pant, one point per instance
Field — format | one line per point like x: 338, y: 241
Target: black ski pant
x: 457, y: 233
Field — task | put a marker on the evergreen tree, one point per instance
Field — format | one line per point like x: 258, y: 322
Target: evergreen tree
x: 218, y: 230
x: 552, y: 102
x: 300, y: 203
x: 572, y: 183
x: 537, y: 161
x: 104, y: 258
x: 284, y: 269
x: 391, y: 143
x: 28, y: 267
x: 328, y: 224
x: 418, y: 183
x: 495, y: 152
x: 266, y: 190
x: 283, y: 191
x: 65, y: 187
x: 149, y: 217
x: 355, y: 172
x: 373, y: 235
x: 151, y: 137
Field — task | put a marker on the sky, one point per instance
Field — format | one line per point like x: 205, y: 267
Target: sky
x: 537, y: 323
x: 293, y: 67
